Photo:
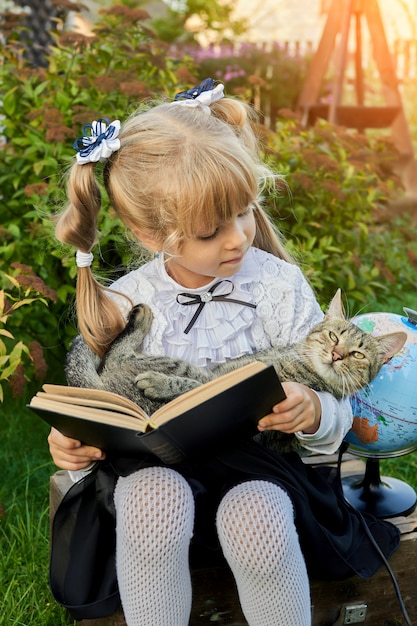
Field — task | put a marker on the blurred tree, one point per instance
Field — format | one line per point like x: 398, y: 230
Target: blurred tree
x: 184, y: 19
x: 38, y: 24
x: 180, y: 21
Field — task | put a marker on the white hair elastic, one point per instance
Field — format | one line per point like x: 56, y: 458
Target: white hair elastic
x: 83, y: 259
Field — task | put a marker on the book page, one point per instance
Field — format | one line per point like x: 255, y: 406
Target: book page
x: 95, y: 397
x: 98, y: 404
x: 105, y: 416
x: 200, y: 394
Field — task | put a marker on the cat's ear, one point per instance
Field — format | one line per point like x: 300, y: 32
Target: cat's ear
x: 335, y: 308
x: 392, y: 344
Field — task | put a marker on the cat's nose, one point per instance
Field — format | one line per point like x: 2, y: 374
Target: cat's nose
x: 336, y: 355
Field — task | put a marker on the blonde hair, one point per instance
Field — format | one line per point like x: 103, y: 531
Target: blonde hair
x: 177, y: 168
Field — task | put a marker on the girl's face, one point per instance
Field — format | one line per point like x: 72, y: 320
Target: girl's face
x: 216, y: 254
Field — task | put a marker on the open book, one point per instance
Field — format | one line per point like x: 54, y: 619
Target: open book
x: 205, y: 419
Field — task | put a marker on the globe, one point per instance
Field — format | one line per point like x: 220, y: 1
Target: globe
x: 385, y: 412
x: 385, y: 421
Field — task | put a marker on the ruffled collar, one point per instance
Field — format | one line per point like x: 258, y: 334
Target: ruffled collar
x: 222, y: 330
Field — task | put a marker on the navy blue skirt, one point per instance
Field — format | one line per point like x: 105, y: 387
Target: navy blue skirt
x: 335, y: 539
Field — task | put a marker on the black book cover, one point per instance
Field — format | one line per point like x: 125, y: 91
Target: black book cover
x: 214, y: 424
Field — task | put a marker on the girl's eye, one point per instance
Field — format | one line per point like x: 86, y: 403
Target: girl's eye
x: 212, y: 235
x: 207, y: 237
x: 247, y: 211
x: 333, y: 337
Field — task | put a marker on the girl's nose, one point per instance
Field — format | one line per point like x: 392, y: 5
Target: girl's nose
x: 235, y: 235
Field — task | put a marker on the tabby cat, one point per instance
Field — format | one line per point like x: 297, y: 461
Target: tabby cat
x: 336, y: 356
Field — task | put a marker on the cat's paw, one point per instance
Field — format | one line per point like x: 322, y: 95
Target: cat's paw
x: 153, y: 385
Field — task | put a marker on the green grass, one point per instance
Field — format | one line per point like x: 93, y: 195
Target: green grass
x: 24, y: 517
x: 403, y: 468
x: 24, y: 521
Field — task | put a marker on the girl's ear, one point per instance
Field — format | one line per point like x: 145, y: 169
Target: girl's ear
x: 148, y: 239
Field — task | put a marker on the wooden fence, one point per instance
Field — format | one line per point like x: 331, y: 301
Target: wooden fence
x: 405, y: 59
x: 404, y: 53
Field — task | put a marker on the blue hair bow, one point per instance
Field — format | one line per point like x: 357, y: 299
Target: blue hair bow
x: 98, y: 142
x: 191, y: 94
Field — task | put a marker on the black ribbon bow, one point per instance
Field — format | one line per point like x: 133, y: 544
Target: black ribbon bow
x: 202, y: 300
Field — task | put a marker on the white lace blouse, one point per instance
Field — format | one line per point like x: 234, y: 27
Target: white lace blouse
x: 285, y: 311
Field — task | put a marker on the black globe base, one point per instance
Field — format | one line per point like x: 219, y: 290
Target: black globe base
x: 383, y: 498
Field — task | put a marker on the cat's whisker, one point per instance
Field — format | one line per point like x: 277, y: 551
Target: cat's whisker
x: 358, y: 312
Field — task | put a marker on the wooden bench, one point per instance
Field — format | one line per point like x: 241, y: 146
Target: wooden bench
x: 372, y: 602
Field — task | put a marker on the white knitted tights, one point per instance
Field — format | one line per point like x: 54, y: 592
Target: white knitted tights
x: 259, y: 540
x: 155, y: 516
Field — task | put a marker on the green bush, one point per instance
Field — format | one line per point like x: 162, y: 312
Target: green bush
x: 21, y: 357
x: 338, y: 215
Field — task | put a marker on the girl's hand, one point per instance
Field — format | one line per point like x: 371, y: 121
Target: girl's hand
x: 71, y: 454
x: 300, y: 411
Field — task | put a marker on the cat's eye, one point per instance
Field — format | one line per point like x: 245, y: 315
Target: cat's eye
x: 357, y: 355
x: 333, y: 337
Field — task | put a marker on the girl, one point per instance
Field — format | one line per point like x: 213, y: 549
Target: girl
x: 185, y: 178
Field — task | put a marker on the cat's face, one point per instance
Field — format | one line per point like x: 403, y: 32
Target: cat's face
x: 345, y: 355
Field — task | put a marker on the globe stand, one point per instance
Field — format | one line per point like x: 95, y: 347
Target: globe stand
x: 386, y: 497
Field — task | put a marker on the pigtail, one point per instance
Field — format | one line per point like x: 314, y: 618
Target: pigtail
x: 241, y: 117
x: 99, y: 317
x: 268, y: 237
